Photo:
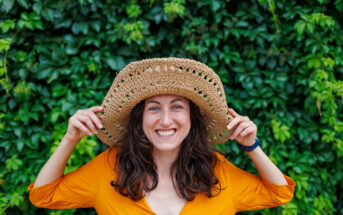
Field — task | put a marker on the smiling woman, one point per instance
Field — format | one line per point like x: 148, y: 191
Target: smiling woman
x: 160, y: 119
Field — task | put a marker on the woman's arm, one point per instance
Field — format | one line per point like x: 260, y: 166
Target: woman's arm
x: 265, y: 167
x: 244, y: 132
x: 80, y: 125
x: 54, y: 167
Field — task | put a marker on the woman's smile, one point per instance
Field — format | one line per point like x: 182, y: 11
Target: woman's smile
x: 166, y: 133
x: 166, y: 121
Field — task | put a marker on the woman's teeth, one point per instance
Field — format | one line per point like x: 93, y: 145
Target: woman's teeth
x: 166, y: 133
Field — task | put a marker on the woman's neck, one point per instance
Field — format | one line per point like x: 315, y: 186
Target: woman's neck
x: 163, y: 161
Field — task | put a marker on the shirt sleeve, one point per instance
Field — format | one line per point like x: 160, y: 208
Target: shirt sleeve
x: 76, y: 189
x: 251, y: 192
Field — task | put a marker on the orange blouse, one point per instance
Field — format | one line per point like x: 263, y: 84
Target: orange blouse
x: 89, y: 186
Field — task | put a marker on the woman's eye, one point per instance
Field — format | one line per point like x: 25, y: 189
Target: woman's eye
x: 177, y: 106
x: 153, y: 108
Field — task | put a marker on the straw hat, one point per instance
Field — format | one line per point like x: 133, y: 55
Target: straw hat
x: 183, y: 77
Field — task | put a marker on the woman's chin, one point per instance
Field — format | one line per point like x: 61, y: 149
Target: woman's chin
x: 164, y: 148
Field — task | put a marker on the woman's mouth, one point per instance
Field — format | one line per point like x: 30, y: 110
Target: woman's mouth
x: 166, y: 133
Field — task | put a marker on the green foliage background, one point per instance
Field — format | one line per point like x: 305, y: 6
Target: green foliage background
x: 281, y: 63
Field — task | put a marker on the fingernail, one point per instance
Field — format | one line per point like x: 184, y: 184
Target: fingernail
x: 90, y: 133
x: 95, y: 132
x: 100, y: 126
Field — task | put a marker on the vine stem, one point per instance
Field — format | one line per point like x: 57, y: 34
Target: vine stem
x: 272, y: 10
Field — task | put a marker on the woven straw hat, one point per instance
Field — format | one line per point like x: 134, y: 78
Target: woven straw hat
x: 183, y: 77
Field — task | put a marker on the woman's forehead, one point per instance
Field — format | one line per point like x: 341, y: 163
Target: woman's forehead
x: 167, y: 97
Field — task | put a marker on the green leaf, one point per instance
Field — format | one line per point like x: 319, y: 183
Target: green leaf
x: 7, y: 25
x: 44, y: 73
x: 281, y: 132
x: 215, y: 5
x: 339, y: 5
x: 5, y: 44
x: 271, y: 62
x: 262, y: 2
x: 310, y: 27
x: 16, y: 199
x: 54, y: 117
x: 116, y: 63
x: 133, y: 10
x: 96, y: 25
x: 7, y: 5
x: 14, y: 163
x: 66, y: 106
x: 79, y: 28
x: 34, y: 141
x: 37, y: 7
x: 20, y: 144
x: 314, y: 63
x: 48, y: 14
x: 300, y: 27
x: 24, y: 3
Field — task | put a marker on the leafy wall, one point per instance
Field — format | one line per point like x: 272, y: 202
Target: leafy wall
x: 281, y: 63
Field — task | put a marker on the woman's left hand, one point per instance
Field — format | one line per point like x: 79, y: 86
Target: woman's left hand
x: 244, y: 129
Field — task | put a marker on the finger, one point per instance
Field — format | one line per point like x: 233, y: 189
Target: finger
x: 232, y: 112
x: 236, y: 121
x: 239, y: 129
x: 95, y: 119
x: 233, y: 123
x: 96, y: 108
x: 85, y: 119
x: 247, y: 131
x: 81, y: 127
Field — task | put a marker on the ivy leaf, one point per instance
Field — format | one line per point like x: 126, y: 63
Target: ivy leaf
x: 48, y: 14
x: 215, y: 5
x: 310, y: 27
x: 79, y: 27
x: 7, y: 5
x: 37, y: 7
x: 14, y: 163
x: 23, y: 3
x: 300, y: 27
x: 20, y: 144
x: 96, y: 25
x: 7, y: 25
x: 339, y: 5
x: 5, y: 44
x: 34, y: 140
x: 54, y: 117
x: 281, y: 132
x: 16, y: 199
x: 116, y: 63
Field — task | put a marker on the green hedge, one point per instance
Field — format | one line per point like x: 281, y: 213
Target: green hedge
x: 281, y: 63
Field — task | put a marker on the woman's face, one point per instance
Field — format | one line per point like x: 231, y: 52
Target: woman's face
x: 166, y: 121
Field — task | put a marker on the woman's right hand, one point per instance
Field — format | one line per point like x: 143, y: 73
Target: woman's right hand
x: 82, y: 123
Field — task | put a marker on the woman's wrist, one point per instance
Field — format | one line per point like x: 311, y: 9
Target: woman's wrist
x: 251, y: 147
x: 69, y: 141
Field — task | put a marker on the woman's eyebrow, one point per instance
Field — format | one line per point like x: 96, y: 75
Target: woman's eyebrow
x: 154, y: 101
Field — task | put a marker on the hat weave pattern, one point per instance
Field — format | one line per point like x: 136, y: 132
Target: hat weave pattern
x: 182, y: 77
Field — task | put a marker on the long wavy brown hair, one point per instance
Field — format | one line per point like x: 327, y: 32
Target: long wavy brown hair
x: 193, y: 169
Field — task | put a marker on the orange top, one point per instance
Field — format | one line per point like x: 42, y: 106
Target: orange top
x: 89, y: 186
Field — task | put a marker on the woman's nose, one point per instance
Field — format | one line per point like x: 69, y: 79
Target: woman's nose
x: 166, y: 118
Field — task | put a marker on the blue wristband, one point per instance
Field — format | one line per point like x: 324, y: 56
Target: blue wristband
x: 250, y: 148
